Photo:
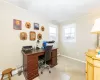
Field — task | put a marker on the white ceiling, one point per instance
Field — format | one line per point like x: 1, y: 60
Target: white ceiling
x: 58, y: 10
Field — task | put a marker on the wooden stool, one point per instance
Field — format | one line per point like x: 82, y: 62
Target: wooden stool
x: 7, y: 72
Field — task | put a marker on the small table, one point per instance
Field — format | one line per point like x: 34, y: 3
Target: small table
x: 7, y: 72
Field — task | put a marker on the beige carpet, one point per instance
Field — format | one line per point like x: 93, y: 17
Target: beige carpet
x: 65, y: 70
x: 55, y: 75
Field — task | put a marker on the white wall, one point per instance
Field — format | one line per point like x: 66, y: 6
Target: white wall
x: 10, y: 43
x: 84, y: 39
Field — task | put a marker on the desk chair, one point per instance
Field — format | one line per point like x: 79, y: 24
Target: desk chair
x: 47, y: 57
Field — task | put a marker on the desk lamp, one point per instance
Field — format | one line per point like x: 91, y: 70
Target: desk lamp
x: 96, y: 30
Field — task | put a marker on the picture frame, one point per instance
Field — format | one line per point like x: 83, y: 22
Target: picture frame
x: 36, y: 26
x: 39, y: 36
x: 23, y: 36
x: 42, y: 28
x: 32, y: 35
x: 17, y: 24
x: 28, y: 25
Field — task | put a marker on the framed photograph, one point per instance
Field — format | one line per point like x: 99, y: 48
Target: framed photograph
x: 32, y: 35
x: 39, y: 36
x: 28, y: 25
x: 36, y: 26
x: 17, y: 24
x: 23, y: 36
x: 42, y: 28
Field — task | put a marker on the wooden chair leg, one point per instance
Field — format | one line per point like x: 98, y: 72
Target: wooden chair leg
x: 9, y: 76
x: 2, y: 77
x: 11, y: 73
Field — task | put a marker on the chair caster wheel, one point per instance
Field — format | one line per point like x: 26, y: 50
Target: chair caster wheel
x: 49, y: 71
x: 41, y: 72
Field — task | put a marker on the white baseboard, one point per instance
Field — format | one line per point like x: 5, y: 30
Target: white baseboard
x: 58, y: 54
x: 73, y: 59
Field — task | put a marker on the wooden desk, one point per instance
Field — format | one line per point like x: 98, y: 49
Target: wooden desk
x: 30, y: 62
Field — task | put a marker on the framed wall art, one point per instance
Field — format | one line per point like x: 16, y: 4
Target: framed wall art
x: 36, y: 26
x: 23, y: 36
x: 28, y: 25
x: 17, y: 24
x: 42, y: 28
x: 32, y: 35
x: 39, y: 36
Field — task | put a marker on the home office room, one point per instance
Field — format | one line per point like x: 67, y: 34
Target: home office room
x: 49, y: 40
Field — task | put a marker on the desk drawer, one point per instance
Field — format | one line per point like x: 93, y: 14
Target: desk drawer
x: 32, y: 67
x: 32, y: 58
x: 54, y: 53
x: 32, y: 74
x: 33, y: 62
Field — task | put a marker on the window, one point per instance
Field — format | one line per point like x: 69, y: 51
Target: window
x: 53, y: 32
x: 69, y: 33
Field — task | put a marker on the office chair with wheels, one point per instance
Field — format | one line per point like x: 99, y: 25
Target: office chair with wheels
x: 47, y: 57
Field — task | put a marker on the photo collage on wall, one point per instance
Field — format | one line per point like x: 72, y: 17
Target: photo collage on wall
x: 17, y: 25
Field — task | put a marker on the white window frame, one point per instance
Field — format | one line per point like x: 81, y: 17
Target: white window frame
x: 54, y: 26
x: 64, y: 34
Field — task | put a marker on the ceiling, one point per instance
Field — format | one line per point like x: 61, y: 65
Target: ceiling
x: 58, y: 10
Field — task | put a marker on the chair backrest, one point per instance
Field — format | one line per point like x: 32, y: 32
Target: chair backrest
x: 48, y: 51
